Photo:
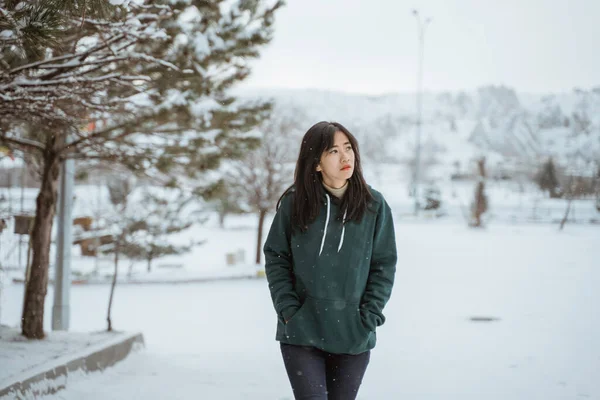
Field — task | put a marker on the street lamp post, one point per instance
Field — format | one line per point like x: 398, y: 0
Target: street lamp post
x: 421, y: 25
x: 61, y: 309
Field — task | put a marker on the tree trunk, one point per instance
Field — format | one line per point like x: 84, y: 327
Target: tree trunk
x: 149, y: 263
x: 32, y: 321
x: 480, y: 204
x: 114, y: 283
x: 566, y: 216
x: 261, y: 222
x: 222, y: 215
x: 598, y: 189
x: 130, y: 270
x: 570, y: 197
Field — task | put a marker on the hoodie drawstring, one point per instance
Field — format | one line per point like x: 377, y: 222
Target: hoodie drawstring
x: 343, y: 230
x: 327, y: 223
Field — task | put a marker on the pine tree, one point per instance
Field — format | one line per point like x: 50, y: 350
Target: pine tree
x: 159, y: 217
x: 225, y: 201
x: 190, y: 108
x: 546, y: 179
x: 143, y: 222
x: 154, y: 86
x: 58, y: 57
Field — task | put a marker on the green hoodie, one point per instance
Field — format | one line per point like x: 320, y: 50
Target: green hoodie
x: 331, y: 282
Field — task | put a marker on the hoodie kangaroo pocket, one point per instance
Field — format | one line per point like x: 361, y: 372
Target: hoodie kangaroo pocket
x: 332, y: 325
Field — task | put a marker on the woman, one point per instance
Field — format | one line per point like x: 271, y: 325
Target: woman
x: 330, y: 263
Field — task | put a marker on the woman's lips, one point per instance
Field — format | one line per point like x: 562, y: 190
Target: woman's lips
x: 347, y: 167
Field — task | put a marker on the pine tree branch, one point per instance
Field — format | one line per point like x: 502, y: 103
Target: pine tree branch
x: 78, y: 144
x: 84, y: 63
x: 151, y: 6
x: 99, y: 138
x: 81, y: 56
x: 129, y: 85
x: 70, y: 80
x: 24, y: 143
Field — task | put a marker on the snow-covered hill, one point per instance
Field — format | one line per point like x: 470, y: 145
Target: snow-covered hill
x: 509, y: 128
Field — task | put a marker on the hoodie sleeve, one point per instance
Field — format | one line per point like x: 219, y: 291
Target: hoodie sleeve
x: 279, y: 263
x: 382, y: 270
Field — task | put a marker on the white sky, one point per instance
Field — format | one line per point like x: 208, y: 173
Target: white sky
x: 370, y: 46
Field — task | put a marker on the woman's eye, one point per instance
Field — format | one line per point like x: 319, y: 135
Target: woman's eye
x: 333, y: 151
x: 349, y: 148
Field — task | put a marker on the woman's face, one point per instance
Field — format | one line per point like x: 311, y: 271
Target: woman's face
x: 337, y: 163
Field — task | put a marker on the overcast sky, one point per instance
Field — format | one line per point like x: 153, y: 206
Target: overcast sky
x: 370, y: 46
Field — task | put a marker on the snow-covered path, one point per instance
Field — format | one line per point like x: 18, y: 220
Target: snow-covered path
x: 216, y: 340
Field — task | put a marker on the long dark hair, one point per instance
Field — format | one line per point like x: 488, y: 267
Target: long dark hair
x: 308, y: 183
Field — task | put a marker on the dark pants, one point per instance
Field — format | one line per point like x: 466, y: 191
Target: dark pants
x: 318, y: 375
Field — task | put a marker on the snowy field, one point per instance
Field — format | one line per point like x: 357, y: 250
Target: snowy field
x: 509, y: 203
x: 216, y: 340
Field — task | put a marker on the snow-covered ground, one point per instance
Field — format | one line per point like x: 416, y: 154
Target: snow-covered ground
x: 509, y: 202
x: 216, y: 340
x: 24, y: 358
